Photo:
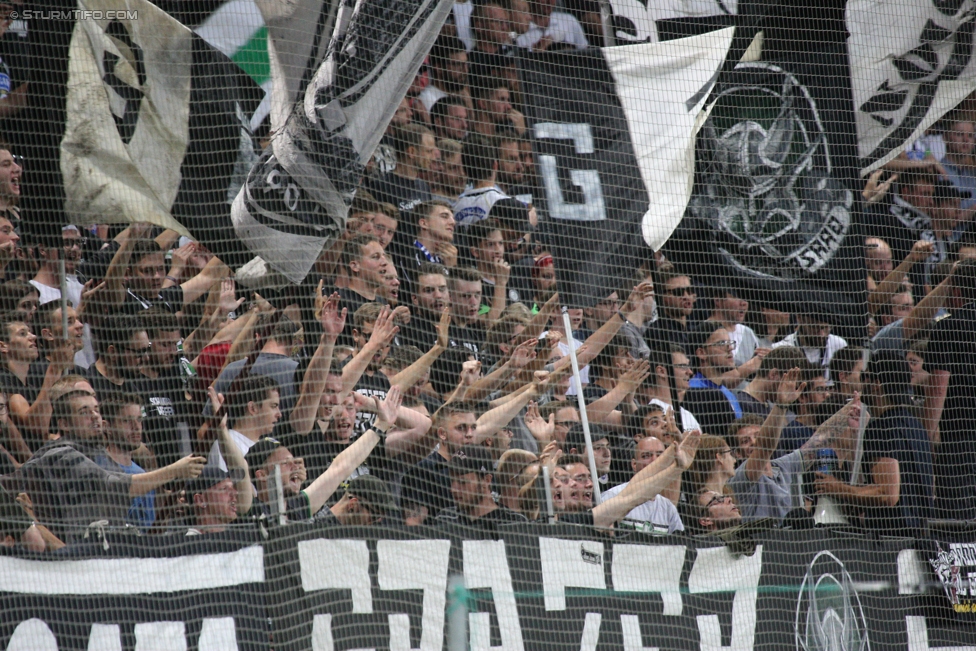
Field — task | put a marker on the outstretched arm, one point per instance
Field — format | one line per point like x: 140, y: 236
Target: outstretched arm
x: 847, y: 416
x: 767, y: 441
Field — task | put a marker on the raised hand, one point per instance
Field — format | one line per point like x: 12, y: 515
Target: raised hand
x: 444, y: 329
x: 319, y: 301
x: 921, y: 251
x: 873, y: 191
x: 87, y: 293
x: 470, y: 372
x: 637, y: 295
x: 384, y: 329
x: 448, y: 253
x: 789, y: 388
x: 181, y: 257
x: 387, y: 408
x: 228, y: 301
x: 501, y: 270
x: 524, y: 353
x: 686, y: 450
x: 636, y: 375
x: 540, y: 429
x: 401, y: 315
x: 332, y: 320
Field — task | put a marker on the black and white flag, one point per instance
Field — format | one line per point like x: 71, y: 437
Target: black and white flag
x: 296, y: 197
x: 911, y: 62
x: 613, y: 132
x: 157, y: 124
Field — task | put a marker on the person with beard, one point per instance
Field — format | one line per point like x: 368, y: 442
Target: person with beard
x: 47, y: 280
x: 123, y: 348
x: 9, y: 240
x: 713, y: 404
x: 70, y: 490
x: 167, y: 417
x: 813, y: 337
x: 729, y: 309
x: 123, y: 436
x: 959, y: 162
x: 10, y: 171
x: 896, y: 497
x: 658, y: 392
x: 479, y: 155
x: 653, y: 478
x: 450, y: 119
x: 487, y: 250
x: 429, y: 298
x: 758, y: 395
x: 367, y: 501
x: 448, y: 65
x: 415, y: 149
x: 602, y: 454
x: 29, y: 398
x: 304, y: 504
x: 471, y: 473
x: 511, y: 170
x: 678, y: 298
x: 812, y: 409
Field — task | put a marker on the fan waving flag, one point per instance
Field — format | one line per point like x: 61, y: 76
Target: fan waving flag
x: 296, y: 197
x: 613, y: 132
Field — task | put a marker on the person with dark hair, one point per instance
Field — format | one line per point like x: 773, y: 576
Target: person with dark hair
x: 663, y: 363
x: 467, y: 328
x: 47, y: 279
x: 47, y: 323
x: 122, y: 345
x: 366, y: 263
x: 450, y: 118
x: 602, y: 454
x: 896, y: 498
x: 813, y: 337
x: 713, y: 404
x: 950, y: 400
x: 511, y: 170
x: 678, y: 296
x: 433, y: 223
x: 429, y: 298
x: 448, y: 65
x: 717, y: 511
x: 487, y: 250
x: 167, y: 417
x: 123, y: 436
x: 551, y: 29
x: 729, y: 309
x: 451, y: 180
x: 471, y: 471
x: 367, y: 500
x: 69, y: 490
x: 943, y: 232
x: 416, y: 150
x: 607, y: 367
x: 758, y: 395
x: 480, y: 159
x: 253, y: 409
x: 19, y: 296
x: 812, y: 409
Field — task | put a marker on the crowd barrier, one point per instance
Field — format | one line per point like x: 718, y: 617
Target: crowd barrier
x: 536, y: 587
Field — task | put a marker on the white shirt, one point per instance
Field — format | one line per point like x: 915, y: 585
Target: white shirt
x: 659, y: 511
x: 215, y: 458
x: 688, y: 421
x: 462, y: 23
x: 86, y: 356
x: 815, y: 356
x: 563, y: 28
x: 584, y: 371
x: 430, y: 95
x: 474, y: 204
x: 746, y: 343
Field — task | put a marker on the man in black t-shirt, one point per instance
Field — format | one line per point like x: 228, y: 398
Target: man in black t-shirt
x: 416, y: 150
x: 166, y: 422
x: 951, y: 400
x: 471, y: 470
x: 364, y: 259
x: 122, y: 345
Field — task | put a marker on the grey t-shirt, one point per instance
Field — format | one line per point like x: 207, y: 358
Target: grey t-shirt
x: 769, y: 496
x: 658, y: 511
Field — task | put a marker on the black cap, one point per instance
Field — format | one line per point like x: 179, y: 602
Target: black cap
x: 946, y: 191
x: 373, y: 493
x: 512, y: 213
x: 210, y: 477
x: 575, y: 438
x: 260, y: 452
x: 472, y: 458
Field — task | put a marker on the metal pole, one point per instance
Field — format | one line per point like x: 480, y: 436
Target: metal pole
x: 545, y: 478
x: 568, y: 327
x: 457, y: 614
x: 62, y: 277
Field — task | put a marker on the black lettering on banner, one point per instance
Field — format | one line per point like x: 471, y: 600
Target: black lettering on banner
x: 132, y: 96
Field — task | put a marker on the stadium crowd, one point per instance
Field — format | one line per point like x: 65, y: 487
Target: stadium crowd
x: 423, y: 377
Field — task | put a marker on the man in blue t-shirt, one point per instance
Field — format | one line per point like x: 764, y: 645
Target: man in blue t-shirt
x: 123, y: 413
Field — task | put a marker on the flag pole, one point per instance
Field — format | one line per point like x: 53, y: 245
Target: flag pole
x: 606, y: 22
x: 63, y: 278
x: 567, y: 327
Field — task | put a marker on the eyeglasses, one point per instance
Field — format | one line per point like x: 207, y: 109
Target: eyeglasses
x: 141, y: 352
x: 80, y: 243
x: 725, y: 451
x: 718, y: 499
x: 725, y: 343
x: 686, y: 367
x: 678, y: 291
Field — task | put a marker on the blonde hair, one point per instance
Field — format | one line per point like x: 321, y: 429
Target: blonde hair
x: 704, y: 462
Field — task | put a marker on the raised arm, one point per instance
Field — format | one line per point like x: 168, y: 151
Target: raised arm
x: 409, y: 376
x: 195, y: 287
x: 383, y: 332
x: 833, y: 429
x: 921, y: 250
x: 35, y: 418
x: 604, y: 411
x: 349, y: 459
x: 114, y: 292
x: 499, y: 298
x: 307, y: 406
x: 234, y: 458
x: 649, y: 482
x: 926, y: 309
x: 787, y: 392
x: 497, y: 418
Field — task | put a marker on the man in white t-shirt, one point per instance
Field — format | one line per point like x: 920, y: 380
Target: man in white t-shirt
x: 480, y: 159
x: 549, y: 27
x: 658, y: 392
x: 658, y: 514
x: 814, y: 339
x: 448, y: 71
x: 47, y: 280
x: 253, y: 410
